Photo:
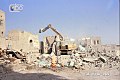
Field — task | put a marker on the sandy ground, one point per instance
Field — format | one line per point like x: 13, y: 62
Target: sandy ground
x: 60, y: 74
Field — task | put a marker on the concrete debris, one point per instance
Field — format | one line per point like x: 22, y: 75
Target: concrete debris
x: 45, y: 60
x: 75, y: 60
x: 79, y: 62
x: 22, y: 47
x: 78, y: 59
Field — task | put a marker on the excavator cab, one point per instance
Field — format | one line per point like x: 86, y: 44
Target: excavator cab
x: 60, y: 46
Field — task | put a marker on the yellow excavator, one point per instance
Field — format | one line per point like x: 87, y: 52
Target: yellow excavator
x: 65, y: 47
x: 53, y: 29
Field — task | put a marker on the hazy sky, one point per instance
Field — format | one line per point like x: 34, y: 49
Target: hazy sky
x: 72, y: 18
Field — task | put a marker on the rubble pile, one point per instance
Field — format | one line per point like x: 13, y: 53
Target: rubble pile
x: 44, y: 61
x: 78, y: 61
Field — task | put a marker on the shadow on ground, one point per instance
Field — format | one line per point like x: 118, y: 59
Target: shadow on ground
x: 6, y: 73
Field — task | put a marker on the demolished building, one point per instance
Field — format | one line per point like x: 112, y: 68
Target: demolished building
x: 16, y: 39
x: 19, y: 41
x: 25, y: 42
x: 95, y: 45
x: 93, y: 52
x: 2, y: 29
x: 22, y: 40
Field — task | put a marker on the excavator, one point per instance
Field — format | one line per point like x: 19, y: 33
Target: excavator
x: 64, y: 47
x: 53, y: 29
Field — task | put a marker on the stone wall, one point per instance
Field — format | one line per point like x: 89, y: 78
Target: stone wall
x: 2, y: 24
x: 25, y: 41
x: 2, y: 30
x: 93, y: 41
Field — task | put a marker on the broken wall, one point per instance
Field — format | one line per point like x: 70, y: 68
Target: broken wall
x: 48, y: 40
x: 25, y: 41
x: 91, y: 41
x: 2, y: 30
x: 2, y: 23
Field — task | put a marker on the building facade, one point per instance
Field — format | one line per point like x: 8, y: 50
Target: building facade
x: 2, y: 23
x: 25, y: 41
x: 2, y: 29
x: 91, y: 41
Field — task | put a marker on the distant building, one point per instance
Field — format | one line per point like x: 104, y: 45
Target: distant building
x: 112, y: 49
x: 93, y: 41
x: 2, y: 23
x: 2, y: 29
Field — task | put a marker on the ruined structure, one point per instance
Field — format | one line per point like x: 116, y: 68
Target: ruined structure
x: 2, y: 23
x: 48, y: 40
x: 21, y: 41
x: 2, y: 29
x: 21, y: 46
x: 17, y: 40
x: 25, y: 41
x: 91, y: 41
x: 111, y: 49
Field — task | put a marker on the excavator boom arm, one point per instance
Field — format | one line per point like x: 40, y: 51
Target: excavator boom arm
x: 53, y: 29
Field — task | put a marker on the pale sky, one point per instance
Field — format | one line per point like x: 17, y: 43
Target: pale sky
x: 74, y: 18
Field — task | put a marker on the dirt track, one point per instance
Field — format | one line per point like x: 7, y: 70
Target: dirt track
x: 64, y: 74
